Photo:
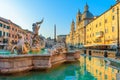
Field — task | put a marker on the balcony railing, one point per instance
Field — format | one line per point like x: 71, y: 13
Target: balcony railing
x: 99, y: 34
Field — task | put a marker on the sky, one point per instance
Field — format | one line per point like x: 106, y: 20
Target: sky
x: 60, y: 12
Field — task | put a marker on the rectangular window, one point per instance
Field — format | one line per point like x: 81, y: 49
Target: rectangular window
x: 4, y: 26
x: 106, y: 30
x: 3, y: 33
x: 0, y: 24
x: 106, y: 76
x: 15, y: 36
x: 105, y: 20
x: 13, y: 29
x: 113, y: 17
x: 12, y: 36
x: 113, y: 10
x: 96, y: 25
x: 113, y: 29
x: 8, y: 27
x: 0, y: 33
x: 100, y: 24
x: 7, y: 34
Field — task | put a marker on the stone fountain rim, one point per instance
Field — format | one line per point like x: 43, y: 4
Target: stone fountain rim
x: 25, y: 55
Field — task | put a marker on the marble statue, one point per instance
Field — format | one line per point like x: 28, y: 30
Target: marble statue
x: 20, y: 47
x: 58, y: 48
x: 36, y: 41
x: 36, y: 27
x: 23, y: 46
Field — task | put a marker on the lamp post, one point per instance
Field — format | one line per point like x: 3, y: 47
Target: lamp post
x: 78, y: 40
x: 117, y: 50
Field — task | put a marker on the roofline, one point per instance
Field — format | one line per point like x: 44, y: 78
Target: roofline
x: 85, y: 19
x: 61, y: 35
x: 28, y: 31
x: 5, y: 20
x: 103, y: 13
x: 16, y: 25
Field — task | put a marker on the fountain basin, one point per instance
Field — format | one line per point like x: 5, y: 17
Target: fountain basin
x: 20, y: 63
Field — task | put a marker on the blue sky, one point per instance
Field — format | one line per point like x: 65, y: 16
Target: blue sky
x: 59, y: 12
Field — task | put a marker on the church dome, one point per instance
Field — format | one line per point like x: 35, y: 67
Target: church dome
x: 87, y: 13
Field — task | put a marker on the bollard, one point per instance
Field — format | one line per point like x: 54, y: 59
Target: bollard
x: 90, y: 53
x: 84, y: 51
x: 105, y: 54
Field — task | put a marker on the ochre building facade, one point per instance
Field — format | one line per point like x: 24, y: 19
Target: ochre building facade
x: 95, y: 31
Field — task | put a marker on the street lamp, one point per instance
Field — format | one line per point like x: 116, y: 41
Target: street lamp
x: 79, y: 41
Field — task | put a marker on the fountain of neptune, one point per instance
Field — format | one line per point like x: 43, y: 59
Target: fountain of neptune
x: 23, y: 47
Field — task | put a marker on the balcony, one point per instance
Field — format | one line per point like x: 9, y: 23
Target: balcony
x: 99, y: 34
x: 98, y: 40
